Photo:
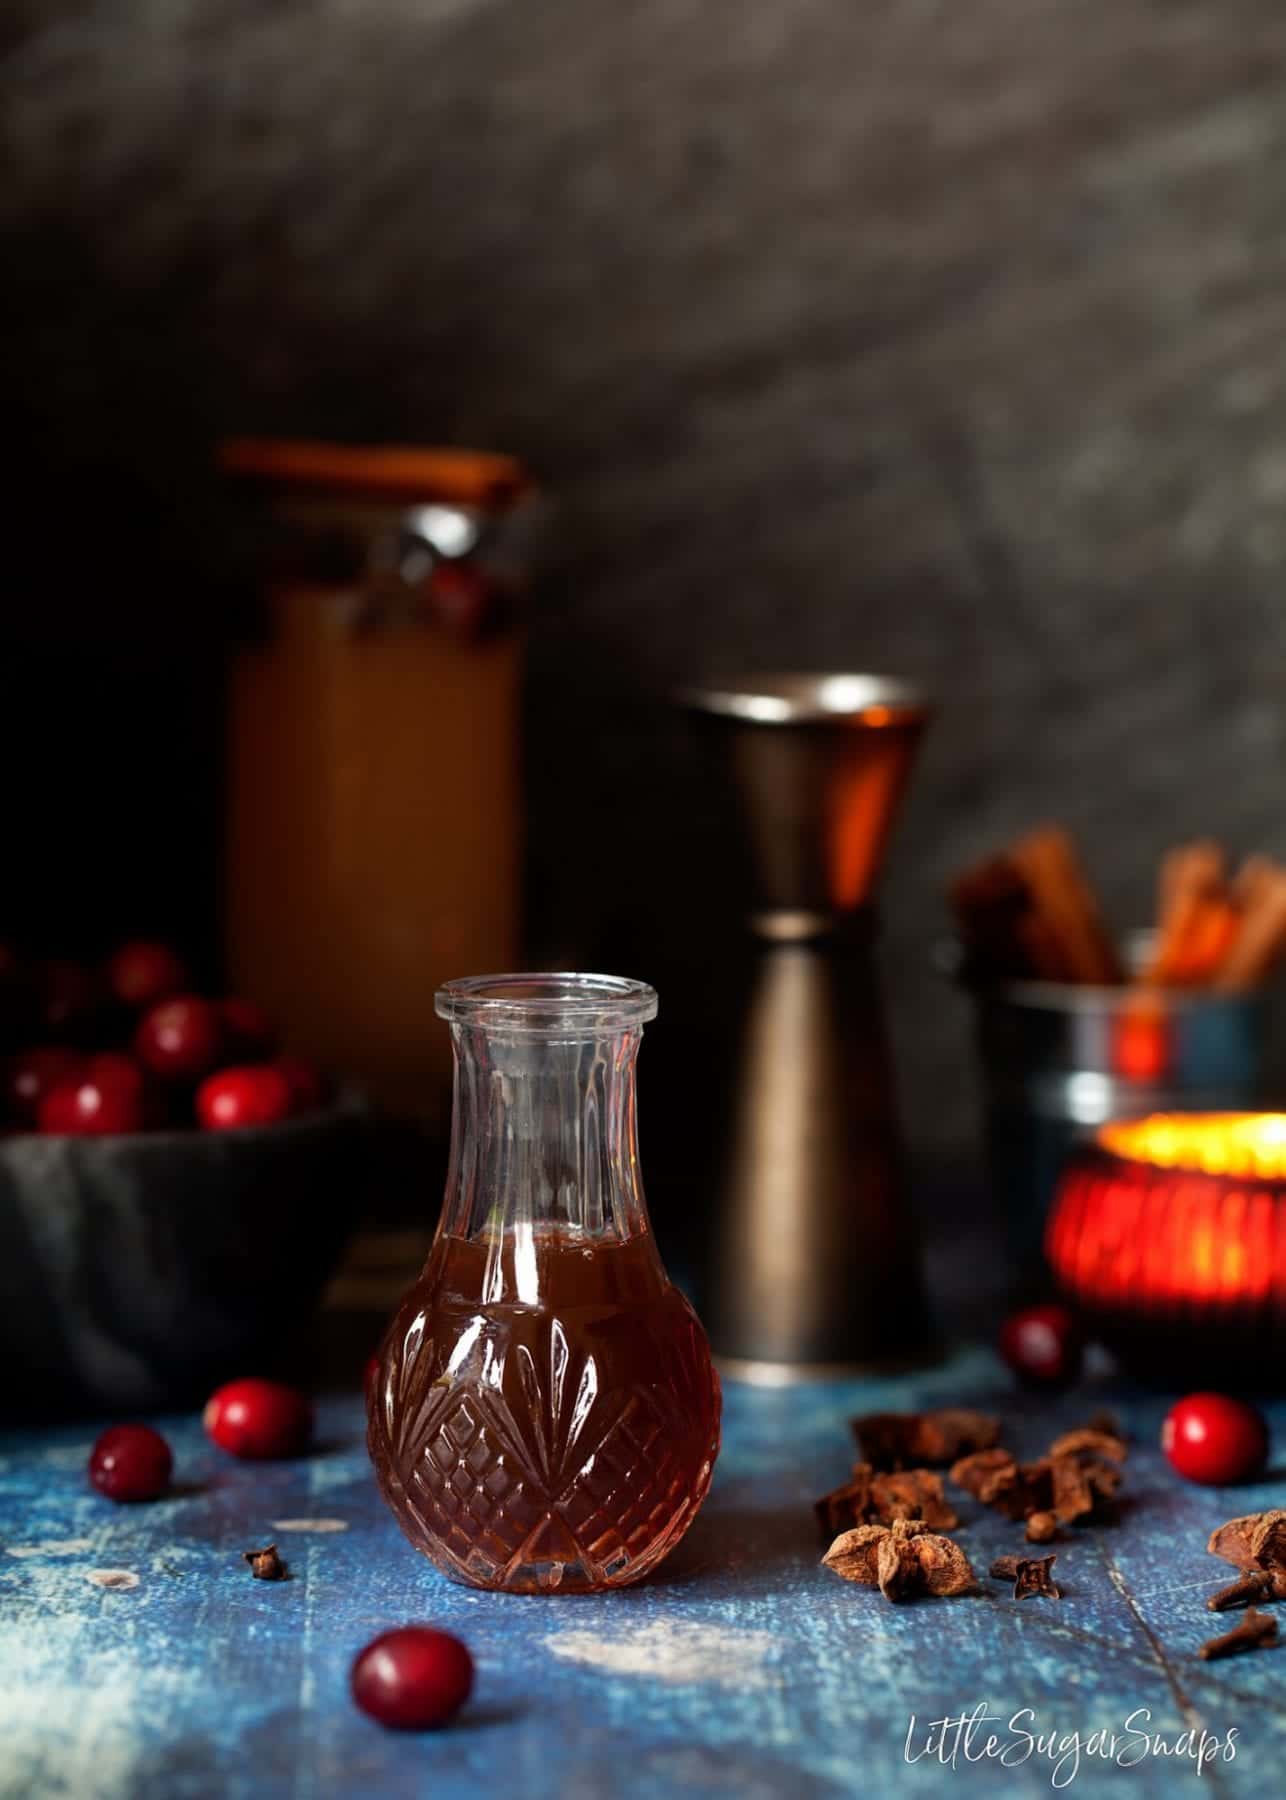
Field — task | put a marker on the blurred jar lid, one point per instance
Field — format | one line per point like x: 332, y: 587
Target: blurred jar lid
x: 393, y: 534
x: 385, y: 473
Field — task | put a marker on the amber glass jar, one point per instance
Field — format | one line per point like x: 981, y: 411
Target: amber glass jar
x: 373, y: 800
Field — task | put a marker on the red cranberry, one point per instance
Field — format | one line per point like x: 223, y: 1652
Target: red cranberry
x: 108, y: 1096
x: 1042, y: 1345
x: 180, y: 1039
x: 1214, y: 1439
x: 259, y: 1419
x: 143, y: 972
x: 307, y: 1088
x: 131, y: 1462
x: 249, y: 1034
x: 412, y: 1678
x: 237, y: 1097
x: 31, y: 1074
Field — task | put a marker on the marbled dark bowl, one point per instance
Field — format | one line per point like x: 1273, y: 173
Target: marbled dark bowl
x: 138, y: 1271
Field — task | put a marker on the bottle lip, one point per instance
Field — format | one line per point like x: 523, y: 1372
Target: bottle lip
x: 547, y: 1004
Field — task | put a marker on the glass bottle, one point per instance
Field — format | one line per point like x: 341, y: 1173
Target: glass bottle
x: 545, y: 1415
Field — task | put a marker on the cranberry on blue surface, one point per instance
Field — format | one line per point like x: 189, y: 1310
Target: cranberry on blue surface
x: 1215, y: 1440
x: 413, y: 1678
x: 131, y: 1462
x: 1043, y: 1345
x: 259, y: 1420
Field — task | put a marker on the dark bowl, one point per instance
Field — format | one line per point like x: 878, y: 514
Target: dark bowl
x: 139, y: 1271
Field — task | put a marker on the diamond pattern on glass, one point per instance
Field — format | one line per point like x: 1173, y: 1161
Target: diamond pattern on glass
x: 547, y: 1472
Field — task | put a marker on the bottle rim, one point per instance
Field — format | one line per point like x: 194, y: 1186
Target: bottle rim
x: 555, y: 1004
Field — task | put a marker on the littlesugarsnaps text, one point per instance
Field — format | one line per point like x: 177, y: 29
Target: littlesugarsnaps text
x: 1010, y: 1743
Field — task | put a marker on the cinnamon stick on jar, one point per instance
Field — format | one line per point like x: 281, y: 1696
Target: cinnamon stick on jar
x: 1261, y: 934
x: 1198, y: 918
x: 1252, y: 880
x: 1064, y: 901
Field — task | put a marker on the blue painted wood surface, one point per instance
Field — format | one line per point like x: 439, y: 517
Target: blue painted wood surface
x: 743, y: 1668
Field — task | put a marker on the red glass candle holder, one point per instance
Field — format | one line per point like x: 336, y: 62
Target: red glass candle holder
x: 1168, y: 1235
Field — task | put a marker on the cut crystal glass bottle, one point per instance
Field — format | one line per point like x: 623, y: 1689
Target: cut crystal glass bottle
x: 545, y: 1416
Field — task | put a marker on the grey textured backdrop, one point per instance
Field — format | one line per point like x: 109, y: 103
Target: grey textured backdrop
x: 936, y: 336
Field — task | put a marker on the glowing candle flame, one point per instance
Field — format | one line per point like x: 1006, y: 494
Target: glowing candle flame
x: 1244, y: 1145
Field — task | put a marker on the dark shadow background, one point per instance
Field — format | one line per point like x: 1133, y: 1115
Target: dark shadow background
x: 933, y: 338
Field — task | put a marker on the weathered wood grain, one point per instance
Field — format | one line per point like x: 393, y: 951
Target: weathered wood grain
x: 743, y: 1667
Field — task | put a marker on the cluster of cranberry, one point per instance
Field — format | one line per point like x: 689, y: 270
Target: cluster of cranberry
x: 1209, y: 1438
x: 411, y: 1678
x: 256, y: 1420
x: 129, y: 1047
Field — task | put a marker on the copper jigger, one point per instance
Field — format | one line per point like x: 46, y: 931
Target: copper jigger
x: 815, y: 1261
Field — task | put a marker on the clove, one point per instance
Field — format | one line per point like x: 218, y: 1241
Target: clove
x: 1255, y: 1584
x: 1256, y: 1631
x: 265, y: 1564
x: 1042, y: 1527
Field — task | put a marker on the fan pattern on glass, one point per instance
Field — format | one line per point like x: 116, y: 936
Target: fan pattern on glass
x: 583, y: 1489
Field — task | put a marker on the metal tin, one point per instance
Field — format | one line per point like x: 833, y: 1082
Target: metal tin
x: 1059, y: 1061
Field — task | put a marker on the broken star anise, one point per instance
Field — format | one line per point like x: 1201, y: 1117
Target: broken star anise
x: 902, y: 1560
x: 1073, y: 1482
x: 867, y: 1498
x: 997, y: 1479
x: 1256, y: 1543
x: 1029, y: 1574
x: 1090, y: 1440
x: 1081, y: 1486
x: 925, y: 1439
x: 913, y: 1494
x: 847, y: 1505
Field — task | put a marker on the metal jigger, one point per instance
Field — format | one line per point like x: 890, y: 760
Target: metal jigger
x: 815, y: 1263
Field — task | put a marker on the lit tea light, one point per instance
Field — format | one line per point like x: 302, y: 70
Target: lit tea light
x: 1239, y: 1144
x: 1169, y: 1235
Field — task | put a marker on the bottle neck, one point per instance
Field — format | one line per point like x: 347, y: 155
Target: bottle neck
x: 544, y: 1139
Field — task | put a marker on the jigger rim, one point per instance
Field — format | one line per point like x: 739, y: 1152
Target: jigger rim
x: 835, y: 697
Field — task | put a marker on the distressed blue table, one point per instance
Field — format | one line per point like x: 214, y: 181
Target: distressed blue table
x: 138, y: 1658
